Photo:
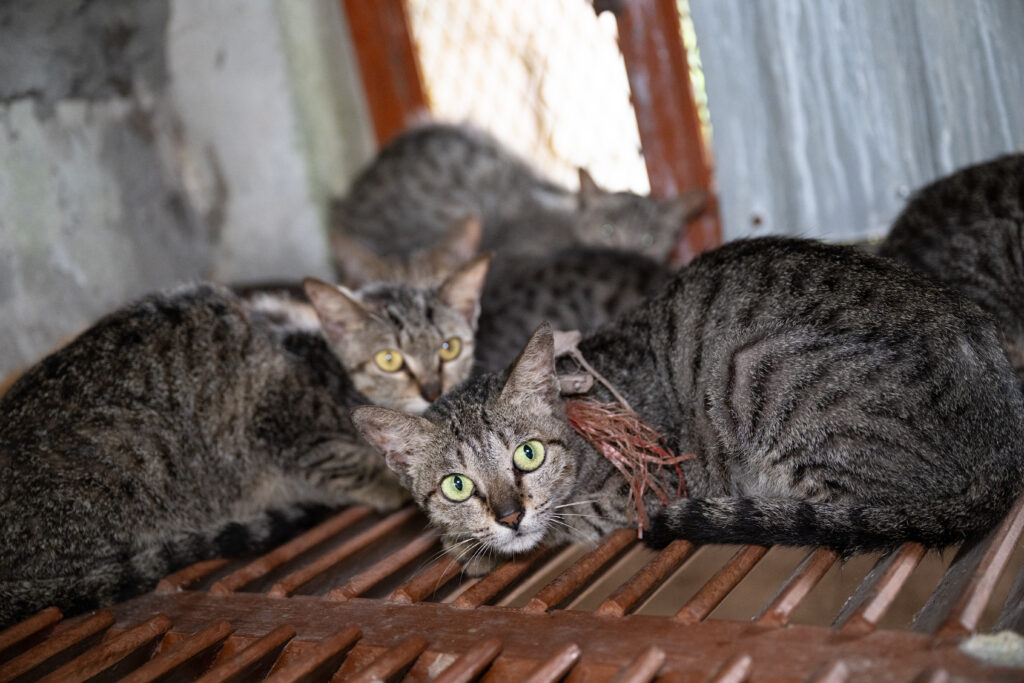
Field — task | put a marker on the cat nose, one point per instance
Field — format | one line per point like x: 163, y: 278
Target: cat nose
x: 430, y: 391
x: 512, y: 519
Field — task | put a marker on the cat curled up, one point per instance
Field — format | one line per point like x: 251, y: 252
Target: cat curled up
x: 423, y: 184
x: 830, y: 398
x: 193, y: 424
x: 966, y: 230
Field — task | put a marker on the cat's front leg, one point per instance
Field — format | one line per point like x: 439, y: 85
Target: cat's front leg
x: 353, y: 473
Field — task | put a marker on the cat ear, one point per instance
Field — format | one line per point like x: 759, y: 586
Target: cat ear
x: 339, y: 309
x: 689, y: 204
x: 532, y: 374
x: 400, y: 437
x: 356, y: 265
x: 589, y: 190
x: 463, y: 288
x: 460, y: 243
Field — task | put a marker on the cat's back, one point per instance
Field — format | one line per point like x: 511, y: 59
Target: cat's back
x: 431, y: 177
x: 576, y: 288
x: 966, y: 230
x: 166, y: 355
x: 770, y: 332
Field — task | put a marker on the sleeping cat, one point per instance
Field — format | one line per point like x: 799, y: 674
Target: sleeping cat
x: 830, y: 398
x: 197, y: 423
x: 430, y: 178
x: 967, y: 231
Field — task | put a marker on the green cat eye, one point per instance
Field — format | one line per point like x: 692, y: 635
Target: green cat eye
x: 529, y: 455
x: 457, y: 487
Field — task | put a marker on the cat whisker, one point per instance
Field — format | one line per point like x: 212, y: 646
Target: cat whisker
x: 582, y: 502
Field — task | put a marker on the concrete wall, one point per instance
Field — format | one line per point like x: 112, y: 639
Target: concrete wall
x: 147, y: 143
x: 826, y: 114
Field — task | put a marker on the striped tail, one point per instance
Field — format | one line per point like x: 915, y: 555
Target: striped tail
x: 846, y: 528
x: 112, y: 580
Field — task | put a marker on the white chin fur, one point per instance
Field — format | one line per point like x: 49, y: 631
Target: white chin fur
x: 518, y: 543
x: 414, y: 406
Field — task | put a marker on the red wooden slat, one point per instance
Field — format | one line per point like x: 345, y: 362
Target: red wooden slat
x: 320, y: 661
x: 575, y: 577
x: 642, y: 669
x: 472, y: 663
x: 181, y: 654
x: 736, y: 669
x: 834, y: 672
x: 426, y: 582
x: 557, y: 666
x: 26, y: 630
x: 499, y: 579
x: 967, y: 610
x: 247, y: 664
x: 387, y: 62
x: 879, y: 589
x: 392, y: 662
x: 366, y: 580
x: 290, y: 550
x: 789, y: 597
x: 714, y: 591
x: 183, y: 578
x: 111, y: 652
x: 645, y: 581
x: 52, y: 647
x: 300, y: 577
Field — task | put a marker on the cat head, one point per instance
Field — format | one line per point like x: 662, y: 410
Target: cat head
x: 357, y: 266
x: 624, y: 220
x: 492, y: 460
x: 403, y: 346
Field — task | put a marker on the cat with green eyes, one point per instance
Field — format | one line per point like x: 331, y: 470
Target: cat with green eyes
x: 829, y: 398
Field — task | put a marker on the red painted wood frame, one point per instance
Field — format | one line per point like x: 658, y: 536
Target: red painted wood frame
x: 659, y: 78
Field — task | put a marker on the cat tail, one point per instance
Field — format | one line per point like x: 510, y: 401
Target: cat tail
x: 844, y: 527
x: 109, y: 580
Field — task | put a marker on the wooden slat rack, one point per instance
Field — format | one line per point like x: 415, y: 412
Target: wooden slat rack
x: 369, y: 597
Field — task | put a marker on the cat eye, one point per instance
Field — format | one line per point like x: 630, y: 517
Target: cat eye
x: 389, y: 360
x: 450, y: 349
x: 457, y: 487
x: 528, y: 456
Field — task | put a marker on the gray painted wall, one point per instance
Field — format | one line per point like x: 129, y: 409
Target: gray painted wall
x: 143, y: 144
x: 827, y: 113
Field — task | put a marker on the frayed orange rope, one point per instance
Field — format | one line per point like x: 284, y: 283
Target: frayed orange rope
x: 632, y: 446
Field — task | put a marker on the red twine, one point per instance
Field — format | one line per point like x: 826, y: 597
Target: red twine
x: 632, y: 446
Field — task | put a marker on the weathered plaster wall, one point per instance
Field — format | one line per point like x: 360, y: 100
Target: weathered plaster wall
x: 147, y: 143
x: 826, y: 114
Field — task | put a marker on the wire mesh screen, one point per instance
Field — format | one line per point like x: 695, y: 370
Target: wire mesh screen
x: 545, y: 76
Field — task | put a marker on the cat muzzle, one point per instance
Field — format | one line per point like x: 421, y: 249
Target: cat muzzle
x: 512, y: 519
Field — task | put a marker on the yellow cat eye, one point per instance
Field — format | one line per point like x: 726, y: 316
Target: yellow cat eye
x: 528, y: 456
x: 389, y: 360
x: 450, y: 349
x: 457, y: 487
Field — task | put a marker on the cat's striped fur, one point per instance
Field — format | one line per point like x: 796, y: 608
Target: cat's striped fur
x: 830, y: 397
x: 966, y: 230
x: 172, y: 430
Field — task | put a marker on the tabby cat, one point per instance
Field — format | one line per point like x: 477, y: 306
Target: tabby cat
x: 576, y: 288
x: 830, y: 397
x: 430, y: 178
x: 173, y: 429
x: 967, y: 231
